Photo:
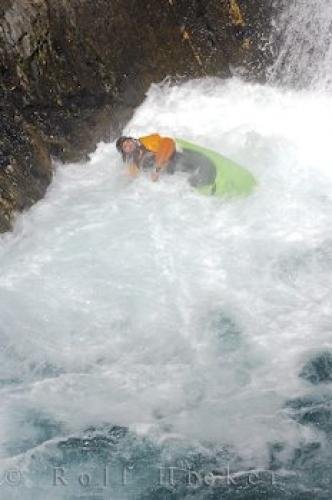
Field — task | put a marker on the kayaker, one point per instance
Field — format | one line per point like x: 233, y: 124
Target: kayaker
x: 149, y: 153
x: 207, y: 170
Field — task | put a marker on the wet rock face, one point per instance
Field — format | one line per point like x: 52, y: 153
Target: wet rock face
x: 71, y: 72
x: 25, y: 165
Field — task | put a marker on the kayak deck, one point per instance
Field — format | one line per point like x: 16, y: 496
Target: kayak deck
x: 231, y: 179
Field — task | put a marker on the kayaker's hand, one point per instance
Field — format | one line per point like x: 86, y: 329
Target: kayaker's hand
x: 132, y: 170
x: 155, y: 176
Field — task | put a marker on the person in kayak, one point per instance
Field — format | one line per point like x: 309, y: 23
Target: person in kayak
x: 208, y: 171
x: 149, y: 153
x: 159, y: 154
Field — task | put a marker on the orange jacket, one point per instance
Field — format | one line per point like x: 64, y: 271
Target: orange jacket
x: 162, y: 147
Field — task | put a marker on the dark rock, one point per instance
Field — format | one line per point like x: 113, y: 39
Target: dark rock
x: 71, y: 73
x: 26, y: 168
x: 318, y: 369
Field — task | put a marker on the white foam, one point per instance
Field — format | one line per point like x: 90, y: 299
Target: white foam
x: 126, y: 286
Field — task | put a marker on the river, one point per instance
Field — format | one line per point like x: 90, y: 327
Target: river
x: 145, y: 327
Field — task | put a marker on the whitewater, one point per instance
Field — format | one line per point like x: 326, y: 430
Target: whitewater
x: 184, y: 318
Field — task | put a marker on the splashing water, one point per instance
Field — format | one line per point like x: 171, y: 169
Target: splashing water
x: 185, y: 318
x: 144, y: 324
x: 304, y: 30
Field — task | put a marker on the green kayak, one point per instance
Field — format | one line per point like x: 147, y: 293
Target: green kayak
x: 212, y: 173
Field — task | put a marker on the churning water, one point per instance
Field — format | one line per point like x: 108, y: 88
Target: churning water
x: 304, y: 33
x: 144, y: 326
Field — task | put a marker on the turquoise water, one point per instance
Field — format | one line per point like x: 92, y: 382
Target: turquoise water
x: 146, y: 327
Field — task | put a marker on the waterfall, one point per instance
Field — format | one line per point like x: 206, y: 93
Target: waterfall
x: 303, y: 36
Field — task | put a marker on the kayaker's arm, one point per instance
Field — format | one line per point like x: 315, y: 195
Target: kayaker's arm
x: 164, y: 153
x: 166, y: 149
